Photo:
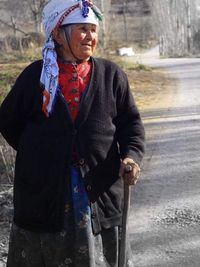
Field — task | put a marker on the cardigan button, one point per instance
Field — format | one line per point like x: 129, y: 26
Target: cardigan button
x: 81, y: 162
x: 89, y: 188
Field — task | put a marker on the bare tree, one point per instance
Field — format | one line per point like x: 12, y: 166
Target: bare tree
x: 175, y: 22
x: 125, y: 21
x: 130, y: 23
x: 104, y: 6
x: 13, y: 26
x: 23, y: 13
x: 36, y: 7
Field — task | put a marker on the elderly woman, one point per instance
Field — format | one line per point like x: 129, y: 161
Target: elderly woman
x: 75, y: 126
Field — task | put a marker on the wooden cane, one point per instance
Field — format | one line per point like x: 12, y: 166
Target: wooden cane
x: 124, y: 228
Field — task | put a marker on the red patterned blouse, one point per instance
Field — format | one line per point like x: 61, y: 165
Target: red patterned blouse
x: 73, y: 81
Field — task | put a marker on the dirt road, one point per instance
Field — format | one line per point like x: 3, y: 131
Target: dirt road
x: 165, y: 211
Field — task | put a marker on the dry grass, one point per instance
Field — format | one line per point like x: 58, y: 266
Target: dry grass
x: 151, y: 88
x: 8, y: 75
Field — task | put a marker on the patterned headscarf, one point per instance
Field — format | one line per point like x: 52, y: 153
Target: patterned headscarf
x: 55, y: 14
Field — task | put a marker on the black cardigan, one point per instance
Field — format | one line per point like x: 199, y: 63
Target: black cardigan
x: 108, y: 128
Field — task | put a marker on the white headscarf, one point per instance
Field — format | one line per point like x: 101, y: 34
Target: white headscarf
x: 55, y: 14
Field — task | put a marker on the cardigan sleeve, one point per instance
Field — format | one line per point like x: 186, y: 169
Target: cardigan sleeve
x: 129, y: 126
x: 17, y: 107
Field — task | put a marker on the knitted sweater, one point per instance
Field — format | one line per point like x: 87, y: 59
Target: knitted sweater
x: 107, y: 129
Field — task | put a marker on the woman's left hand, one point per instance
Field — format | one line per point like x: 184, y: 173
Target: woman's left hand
x: 132, y: 176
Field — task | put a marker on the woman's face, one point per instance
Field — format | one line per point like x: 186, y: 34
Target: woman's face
x: 82, y: 40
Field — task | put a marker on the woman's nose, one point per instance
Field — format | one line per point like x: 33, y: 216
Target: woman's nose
x: 89, y: 35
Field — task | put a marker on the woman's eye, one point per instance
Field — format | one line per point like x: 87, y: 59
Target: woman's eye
x: 84, y: 29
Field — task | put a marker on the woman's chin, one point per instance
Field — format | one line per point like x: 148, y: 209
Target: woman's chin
x: 85, y: 56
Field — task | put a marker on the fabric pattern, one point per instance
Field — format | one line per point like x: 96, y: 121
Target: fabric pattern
x: 49, y: 76
x: 32, y: 249
x: 73, y: 81
x: 60, y: 12
x: 75, y: 246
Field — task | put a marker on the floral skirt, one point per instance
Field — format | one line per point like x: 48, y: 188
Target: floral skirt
x: 74, y: 246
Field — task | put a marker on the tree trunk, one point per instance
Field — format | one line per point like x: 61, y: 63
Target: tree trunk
x: 175, y: 19
x: 125, y: 22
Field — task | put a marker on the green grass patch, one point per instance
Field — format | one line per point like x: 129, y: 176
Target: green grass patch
x: 11, y: 65
x: 139, y: 67
x: 8, y: 75
x: 20, y: 57
x: 129, y: 66
x: 6, y: 81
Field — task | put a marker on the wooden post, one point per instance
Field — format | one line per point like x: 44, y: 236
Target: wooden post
x: 125, y: 21
x: 103, y: 25
x: 189, y: 33
x: 13, y: 23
